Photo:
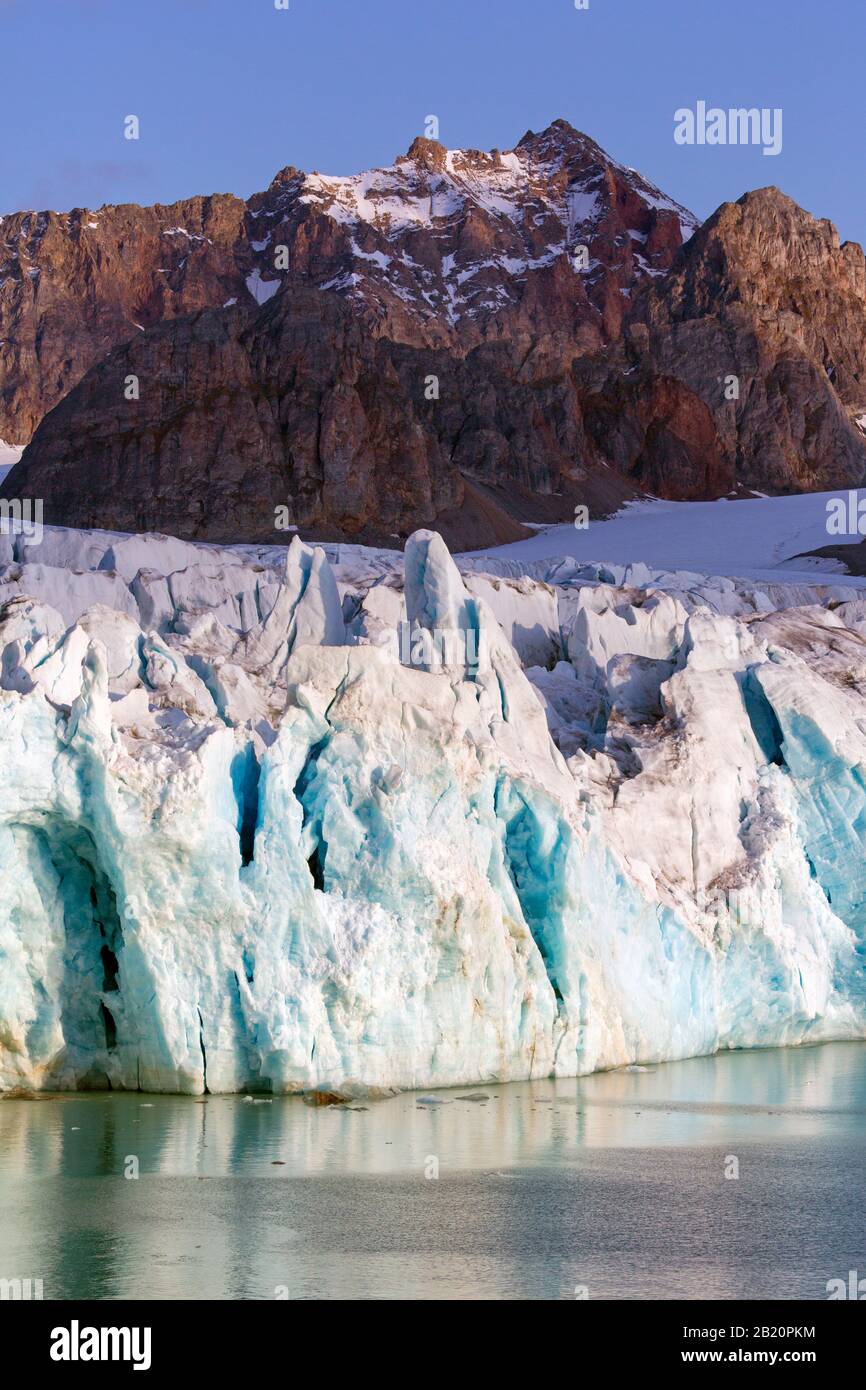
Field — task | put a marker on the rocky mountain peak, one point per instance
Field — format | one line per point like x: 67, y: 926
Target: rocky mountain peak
x: 444, y: 249
x: 559, y: 132
x: 283, y: 178
x: 745, y: 365
x: 766, y: 252
x: 428, y: 153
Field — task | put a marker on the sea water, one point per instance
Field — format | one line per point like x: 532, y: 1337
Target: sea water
x: 735, y: 1176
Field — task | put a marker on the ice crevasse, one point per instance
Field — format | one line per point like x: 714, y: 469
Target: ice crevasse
x: 273, y: 856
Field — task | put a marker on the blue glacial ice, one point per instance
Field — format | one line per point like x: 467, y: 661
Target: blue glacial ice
x: 246, y: 847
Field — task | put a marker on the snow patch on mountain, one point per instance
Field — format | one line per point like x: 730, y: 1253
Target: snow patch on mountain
x: 260, y: 289
x: 538, y: 202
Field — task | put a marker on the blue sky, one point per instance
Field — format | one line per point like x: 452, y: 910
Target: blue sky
x: 229, y: 91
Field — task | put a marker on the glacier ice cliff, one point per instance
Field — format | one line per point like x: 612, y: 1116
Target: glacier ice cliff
x: 246, y: 846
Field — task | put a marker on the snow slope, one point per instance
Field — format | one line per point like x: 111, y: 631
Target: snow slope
x: 250, y: 842
x: 753, y: 539
x: 9, y: 456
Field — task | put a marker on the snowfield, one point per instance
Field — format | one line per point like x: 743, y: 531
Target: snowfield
x: 257, y: 838
x: 9, y: 456
x: 755, y: 539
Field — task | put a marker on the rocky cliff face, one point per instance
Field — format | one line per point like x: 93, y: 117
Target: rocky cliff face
x: 72, y: 286
x: 745, y: 365
x: 297, y: 405
x: 445, y: 341
x: 446, y: 248
x: 450, y: 248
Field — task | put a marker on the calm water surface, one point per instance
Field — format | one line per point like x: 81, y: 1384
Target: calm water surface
x: 614, y: 1181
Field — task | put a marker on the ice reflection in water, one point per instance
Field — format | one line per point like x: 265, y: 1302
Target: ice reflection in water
x: 615, y: 1181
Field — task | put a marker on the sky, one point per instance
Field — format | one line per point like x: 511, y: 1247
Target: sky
x: 229, y: 91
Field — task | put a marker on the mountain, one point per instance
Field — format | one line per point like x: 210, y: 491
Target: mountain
x: 463, y: 339
x: 298, y: 405
x: 765, y: 296
x: 450, y: 248
x: 444, y: 248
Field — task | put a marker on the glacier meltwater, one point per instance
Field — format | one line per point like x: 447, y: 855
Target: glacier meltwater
x: 248, y: 846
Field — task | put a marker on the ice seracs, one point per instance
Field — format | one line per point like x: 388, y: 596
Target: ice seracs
x: 307, y: 611
x: 249, y: 846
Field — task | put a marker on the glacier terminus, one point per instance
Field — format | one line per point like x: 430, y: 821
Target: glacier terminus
x: 248, y: 847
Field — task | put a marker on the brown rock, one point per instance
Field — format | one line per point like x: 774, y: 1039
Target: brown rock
x: 762, y: 293
x: 424, y: 252
x: 452, y: 268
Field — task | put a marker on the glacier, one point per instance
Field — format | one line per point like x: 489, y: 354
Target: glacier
x: 247, y: 846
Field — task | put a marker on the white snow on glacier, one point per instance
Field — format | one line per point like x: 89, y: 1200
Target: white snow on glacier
x: 765, y: 539
x: 246, y: 847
